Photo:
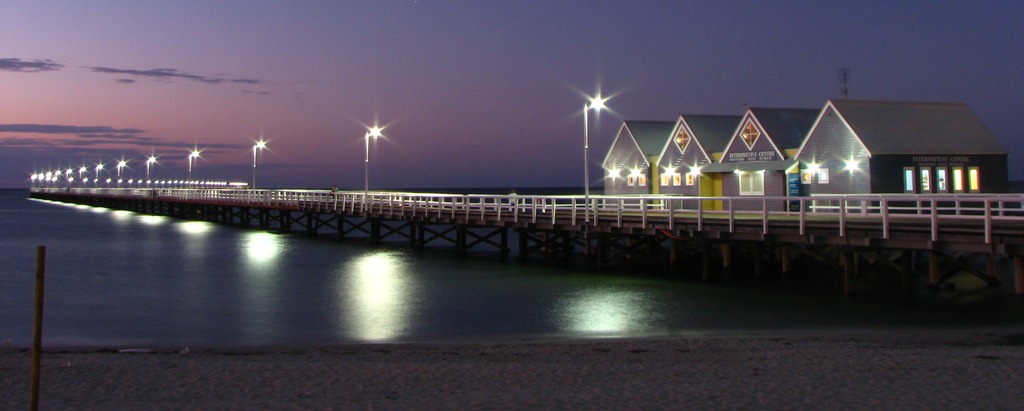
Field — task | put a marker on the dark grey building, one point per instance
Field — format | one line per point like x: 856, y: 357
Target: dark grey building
x: 858, y: 146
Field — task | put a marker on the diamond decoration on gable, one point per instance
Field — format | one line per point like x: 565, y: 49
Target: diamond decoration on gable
x: 682, y: 139
x: 750, y: 134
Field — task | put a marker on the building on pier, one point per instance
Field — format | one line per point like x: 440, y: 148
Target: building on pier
x: 858, y: 147
x: 760, y: 154
x: 628, y: 163
x: 698, y: 141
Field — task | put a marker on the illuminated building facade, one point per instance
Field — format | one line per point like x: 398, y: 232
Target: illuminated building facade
x: 857, y: 147
x: 628, y: 164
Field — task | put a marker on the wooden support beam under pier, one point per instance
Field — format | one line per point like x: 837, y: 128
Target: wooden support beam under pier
x: 1018, y: 274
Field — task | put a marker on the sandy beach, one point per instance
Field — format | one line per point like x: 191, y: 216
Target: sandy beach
x: 963, y: 369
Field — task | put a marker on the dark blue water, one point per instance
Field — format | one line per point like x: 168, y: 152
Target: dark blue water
x: 123, y: 279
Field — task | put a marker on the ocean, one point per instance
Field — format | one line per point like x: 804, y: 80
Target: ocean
x: 120, y: 279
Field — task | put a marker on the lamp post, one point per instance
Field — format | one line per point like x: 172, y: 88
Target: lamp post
x: 149, y: 166
x: 375, y: 133
x: 191, y: 158
x: 256, y: 149
x: 120, y: 165
x: 99, y: 167
x: 81, y: 175
x: 596, y: 104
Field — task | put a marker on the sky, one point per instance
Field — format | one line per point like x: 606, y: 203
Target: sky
x: 469, y: 93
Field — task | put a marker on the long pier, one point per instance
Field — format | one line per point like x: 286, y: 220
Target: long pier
x: 856, y: 234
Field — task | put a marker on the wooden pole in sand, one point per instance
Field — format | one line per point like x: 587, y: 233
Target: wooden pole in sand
x: 1018, y: 274
x: 37, y: 328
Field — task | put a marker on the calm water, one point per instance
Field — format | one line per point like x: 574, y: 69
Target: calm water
x: 122, y: 279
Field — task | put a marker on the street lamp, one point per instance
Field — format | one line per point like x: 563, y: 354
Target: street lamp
x: 99, y: 167
x: 149, y: 165
x: 120, y: 165
x: 81, y: 176
x: 596, y: 104
x: 375, y: 133
x: 256, y: 149
x: 192, y: 157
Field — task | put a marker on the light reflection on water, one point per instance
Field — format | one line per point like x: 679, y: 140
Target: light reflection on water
x: 607, y: 311
x: 122, y: 278
x: 376, y: 291
x: 153, y: 219
x: 261, y: 254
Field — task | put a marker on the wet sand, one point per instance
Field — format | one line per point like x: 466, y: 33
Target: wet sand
x: 938, y: 369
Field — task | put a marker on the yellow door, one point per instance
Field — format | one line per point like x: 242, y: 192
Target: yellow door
x: 711, y: 186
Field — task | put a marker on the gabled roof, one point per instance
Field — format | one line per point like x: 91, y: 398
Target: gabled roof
x: 712, y: 131
x: 902, y: 127
x: 645, y: 140
x: 650, y: 135
x: 787, y: 127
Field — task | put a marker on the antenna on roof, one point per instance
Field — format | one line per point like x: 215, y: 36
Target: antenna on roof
x: 844, y: 80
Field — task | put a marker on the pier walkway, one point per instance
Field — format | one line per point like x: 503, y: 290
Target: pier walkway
x: 854, y: 233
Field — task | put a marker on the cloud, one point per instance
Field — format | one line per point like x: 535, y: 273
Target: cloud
x: 125, y: 80
x: 172, y: 74
x: 60, y: 129
x: 34, y: 66
x: 262, y: 93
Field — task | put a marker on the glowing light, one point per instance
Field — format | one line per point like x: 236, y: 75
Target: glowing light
x: 377, y: 296
x: 262, y: 248
x: 636, y: 172
x: 695, y: 170
x: 596, y: 103
x: 813, y: 167
x: 195, y: 227
x: 121, y: 216
x: 153, y: 220
x: 606, y: 312
x: 852, y: 165
x: 614, y: 174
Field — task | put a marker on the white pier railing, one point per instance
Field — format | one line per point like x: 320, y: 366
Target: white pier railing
x: 986, y: 211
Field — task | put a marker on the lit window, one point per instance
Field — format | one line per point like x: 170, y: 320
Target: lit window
x: 958, y: 179
x: 908, y: 180
x: 752, y: 183
x: 664, y: 179
x: 637, y: 177
x: 822, y: 176
x: 750, y: 134
x: 926, y: 180
x: 973, y: 180
x: 940, y: 180
x: 682, y: 139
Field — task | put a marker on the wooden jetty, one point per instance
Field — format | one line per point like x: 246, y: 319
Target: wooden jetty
x: 857, y: 234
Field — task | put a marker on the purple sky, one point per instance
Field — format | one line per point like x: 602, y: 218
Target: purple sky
x: 472, y: 93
